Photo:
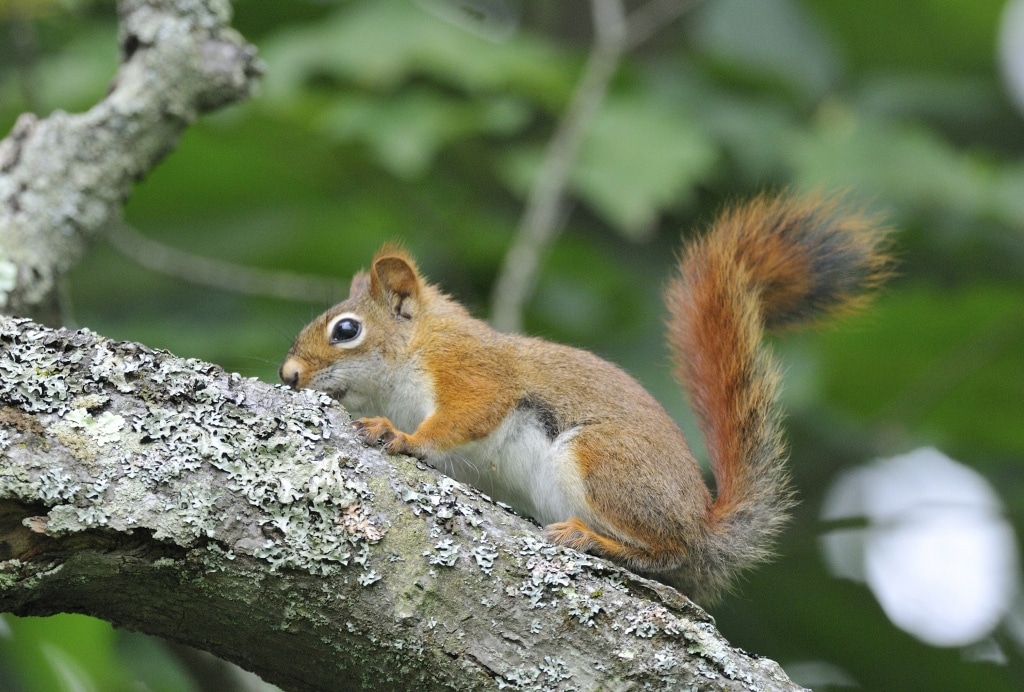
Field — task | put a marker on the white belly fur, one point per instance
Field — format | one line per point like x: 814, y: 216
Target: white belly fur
x: 518, y: 464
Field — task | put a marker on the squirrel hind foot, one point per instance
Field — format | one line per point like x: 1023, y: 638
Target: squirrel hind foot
x: 571, y: 533
x: 574, y: 533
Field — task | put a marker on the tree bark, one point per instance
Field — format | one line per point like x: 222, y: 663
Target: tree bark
x: 167, y: 496
x: 64, y: 179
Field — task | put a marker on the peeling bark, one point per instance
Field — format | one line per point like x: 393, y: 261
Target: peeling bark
x: 64, y: 179
x: 170, y: 497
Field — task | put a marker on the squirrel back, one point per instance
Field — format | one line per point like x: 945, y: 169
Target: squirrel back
x: 574, y: 441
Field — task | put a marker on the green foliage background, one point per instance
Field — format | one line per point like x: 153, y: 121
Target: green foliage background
x: 379, y: 120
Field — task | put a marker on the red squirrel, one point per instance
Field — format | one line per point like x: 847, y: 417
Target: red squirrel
x: 573, y: 441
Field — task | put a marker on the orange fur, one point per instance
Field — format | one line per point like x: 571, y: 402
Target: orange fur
x: 572, y: 439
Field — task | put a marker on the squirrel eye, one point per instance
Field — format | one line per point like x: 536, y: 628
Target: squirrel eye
x: 345, y: 329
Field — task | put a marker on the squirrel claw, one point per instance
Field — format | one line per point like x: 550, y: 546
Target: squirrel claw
x: 374, y: 431
x: 382, y: 432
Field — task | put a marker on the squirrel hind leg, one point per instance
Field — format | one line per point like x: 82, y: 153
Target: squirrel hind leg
x: 575, y: 534
x: 641, y: 497
x: 667, y: 566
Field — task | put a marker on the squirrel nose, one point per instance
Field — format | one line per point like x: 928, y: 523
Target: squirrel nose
x: 290, y: 372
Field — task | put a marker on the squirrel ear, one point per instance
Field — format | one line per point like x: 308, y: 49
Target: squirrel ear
x: 394, y: 280
x: 360, y: 284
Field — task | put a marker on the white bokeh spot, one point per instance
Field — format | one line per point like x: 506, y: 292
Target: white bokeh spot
x: 937, y: 553
x: 1011, y: 50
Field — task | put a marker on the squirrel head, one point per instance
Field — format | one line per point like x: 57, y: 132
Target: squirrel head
x: 347, y: 349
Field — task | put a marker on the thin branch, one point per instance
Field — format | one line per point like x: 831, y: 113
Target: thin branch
x: 543, y: 216
x: 538, y: 225
x: 221, y: 275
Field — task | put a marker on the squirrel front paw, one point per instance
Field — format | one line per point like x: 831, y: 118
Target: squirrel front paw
x: 382, y: 432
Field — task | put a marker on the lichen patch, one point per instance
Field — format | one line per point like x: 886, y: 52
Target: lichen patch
x: 183, y: 436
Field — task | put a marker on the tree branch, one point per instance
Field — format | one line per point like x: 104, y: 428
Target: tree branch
x: 63, y: 179
x: 224, y: 276
x: 167, y: 496
x: 614, y: 34
x: 539, y: 223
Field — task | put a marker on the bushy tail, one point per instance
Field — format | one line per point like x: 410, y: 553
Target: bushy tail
x: 771, y: 263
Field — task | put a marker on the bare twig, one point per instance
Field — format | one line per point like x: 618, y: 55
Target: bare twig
x: 614, y: 34
x: 538, y: 225
x: 225, y: 276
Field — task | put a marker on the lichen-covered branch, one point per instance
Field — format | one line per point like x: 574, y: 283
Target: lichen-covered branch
x: 170, y: 497
x: 64, y: 179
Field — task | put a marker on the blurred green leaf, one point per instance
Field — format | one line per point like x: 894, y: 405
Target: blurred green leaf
x: 752, y: 132
x: 407, y: 130
x: 217, y: 168
x: 639, y: 160
x: 30, y: 9
x: 907, y: 164
x: 72, y: 80
x: 149, y: 662
x: 773, y: 39
x: 926, y: 35
x: 63, y: 652
x: 379, y: 45
x: 956, y: 98
x: 949, y: 366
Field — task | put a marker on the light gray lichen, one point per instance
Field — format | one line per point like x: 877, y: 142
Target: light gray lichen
x: 106, y: 429
x: 445, y: 553
x: 171, y: 420
x: 484, y: 554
